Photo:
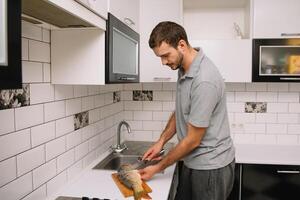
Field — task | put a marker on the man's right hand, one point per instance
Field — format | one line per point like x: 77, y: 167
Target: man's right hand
x: 152, y: 152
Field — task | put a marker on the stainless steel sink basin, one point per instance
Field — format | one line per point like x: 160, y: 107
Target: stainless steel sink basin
x: 114, y: 161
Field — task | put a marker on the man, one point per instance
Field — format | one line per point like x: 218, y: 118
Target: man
x: 200, y: 120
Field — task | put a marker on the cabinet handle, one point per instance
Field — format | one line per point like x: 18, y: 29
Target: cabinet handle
x: 290, y: 78
x: 290, y: 34
x: 129, y: 21
x: 127, y: 78
x: 161, y: 78
x: 287, y: 172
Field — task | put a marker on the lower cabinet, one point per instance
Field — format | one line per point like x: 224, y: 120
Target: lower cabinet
x: 270, y: 182
x: 235, y: 193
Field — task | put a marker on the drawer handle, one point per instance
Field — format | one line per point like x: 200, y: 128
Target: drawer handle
x: 290, y: 78
x: 290, y: 34
x: 129, y: 21
x: 287, y: 172
x: 162, y: 78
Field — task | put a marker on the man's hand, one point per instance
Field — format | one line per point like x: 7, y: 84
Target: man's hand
x: 153, y: 151
x: 148, y: 172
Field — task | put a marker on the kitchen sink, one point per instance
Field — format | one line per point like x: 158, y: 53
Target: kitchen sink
x: 114, y: 160
x: 135, y: 149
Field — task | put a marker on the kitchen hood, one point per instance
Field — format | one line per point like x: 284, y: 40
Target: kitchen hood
x: 62, y: 14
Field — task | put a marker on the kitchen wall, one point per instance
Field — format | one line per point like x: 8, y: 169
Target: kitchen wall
x: 49, y: 133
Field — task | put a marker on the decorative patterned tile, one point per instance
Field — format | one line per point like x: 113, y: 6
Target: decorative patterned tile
x: 15, y: 98
x: 117, y: 96
x: 255, y: 107
x: 142, y: 95
x: 81, y: 120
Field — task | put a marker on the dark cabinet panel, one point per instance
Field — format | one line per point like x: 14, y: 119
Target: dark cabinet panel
x: 11, y: 71
x: 270, y: 182
x: 235, y: 193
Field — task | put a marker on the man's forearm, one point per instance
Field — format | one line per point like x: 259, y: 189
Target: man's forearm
x: 169, y: 130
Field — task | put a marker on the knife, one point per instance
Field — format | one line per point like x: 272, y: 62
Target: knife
x: 144, y: 163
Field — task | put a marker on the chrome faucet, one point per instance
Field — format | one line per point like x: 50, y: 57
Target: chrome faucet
x: 118, y: 148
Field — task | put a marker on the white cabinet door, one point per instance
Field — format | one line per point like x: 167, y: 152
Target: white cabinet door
x: 276, y: 18
x: 100, y: 7
x: 153, y: 12
x: 127, y: 11
x: 232, y: 57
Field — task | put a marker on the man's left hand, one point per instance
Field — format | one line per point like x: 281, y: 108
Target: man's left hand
x: 148, y: 172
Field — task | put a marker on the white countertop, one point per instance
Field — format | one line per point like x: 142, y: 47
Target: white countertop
x: 268, y: 154
x: 99, y: 183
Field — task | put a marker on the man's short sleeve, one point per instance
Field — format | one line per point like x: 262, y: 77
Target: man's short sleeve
x: 204, y: 98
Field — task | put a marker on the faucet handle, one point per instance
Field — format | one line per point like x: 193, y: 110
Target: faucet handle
x: 118, y: 148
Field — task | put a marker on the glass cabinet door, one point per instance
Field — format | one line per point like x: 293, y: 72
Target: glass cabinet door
x: 3, y: 32
x: 279, y: 60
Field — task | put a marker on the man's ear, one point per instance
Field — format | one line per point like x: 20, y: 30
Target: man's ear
x: 182, y: 46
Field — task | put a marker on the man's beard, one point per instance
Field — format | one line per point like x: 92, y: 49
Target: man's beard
x: 179, y: 63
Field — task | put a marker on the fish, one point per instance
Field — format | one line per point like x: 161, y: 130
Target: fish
x: 130, y: 177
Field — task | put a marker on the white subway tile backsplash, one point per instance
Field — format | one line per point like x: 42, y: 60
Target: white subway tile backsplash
x: 169, y: 106
x: 244, y: 117
x: 14, y: 143
x: 54, y: 184
x: 152, y: 86
x: 128, y: 115
x: 255, y: 87
x: 44, y: 173
x: 266, y: 97
x: 93, y: 89
x: 294, y: 107
x: 18, y: 188
x: 236, y: 107
x: 30, y: 159
x: 169, y: 86
x: 230, y: 97
x: 54, y: 110
x: 32, y: 72
x: 135, y: 125
x: 244, y: 138
x: 266, y: 117
x: 8, y: 169
x: 95, y: 142
x: 126, y: 95
x: 24, y: 50
x: 287, y: 139
x: 64, y: 92
x: 255, y: 128
x: 80, y: 90
x: 162, y: 116
x: 87, y: 103
x: 99, y: 100
x: 31, y: 31
x: 276, y: 87
x: 7, y: 121
x: 134, y: 86
x: 231, y: 87
x: 39, y: 51
x: 288, y: 118
x: 55, y: 148
x: 73, y: 106
x: 288, y: 97
x: 43, y: 133
x: 276, y: 128
x: 81, y: 150
x: 245, y: 96
x: 73, y: 139
x: 41, y: 93
x: 94, y: 115
x: 64, y: 126
x: 265, y: 139
x: 87, y: 132
x: 152, y: 105
x: 65, y: 160
x: 46, y: 35
x: 29, y: 116
x: 162, y: 96
x: 142, y: 115
x: 152, y: 125
x: 294, y: 129
x: 37, y: 194
x: 108, y: 98
x: 277, y: 107
x: 294, y: 87
x: 46, y: 72
x: 74, y: 170
x: 133, y: 105
x: 142, y: 135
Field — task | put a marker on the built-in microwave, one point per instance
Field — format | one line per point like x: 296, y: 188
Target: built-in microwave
x: 122, y: 49
x: 276, y: 60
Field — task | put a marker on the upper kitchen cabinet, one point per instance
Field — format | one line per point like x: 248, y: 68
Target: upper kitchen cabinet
x: 99, y: 7
x: 223, y: 30
x: 276, y: 18
x: 153, y: 12
x: 10, y: 44
x: 77, y: 39
x: 127, y: 11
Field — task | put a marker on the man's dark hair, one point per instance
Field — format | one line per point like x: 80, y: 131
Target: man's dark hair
x: 168, y: 32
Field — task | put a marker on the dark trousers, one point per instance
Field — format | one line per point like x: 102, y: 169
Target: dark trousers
x: 213, y: 184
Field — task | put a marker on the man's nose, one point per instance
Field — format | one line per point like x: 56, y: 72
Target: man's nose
x: 164, y: 61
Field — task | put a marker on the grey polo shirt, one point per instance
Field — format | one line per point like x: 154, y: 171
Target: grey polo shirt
x: 201, y: 101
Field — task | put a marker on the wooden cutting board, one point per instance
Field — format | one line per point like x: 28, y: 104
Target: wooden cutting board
x: 129, y: 192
